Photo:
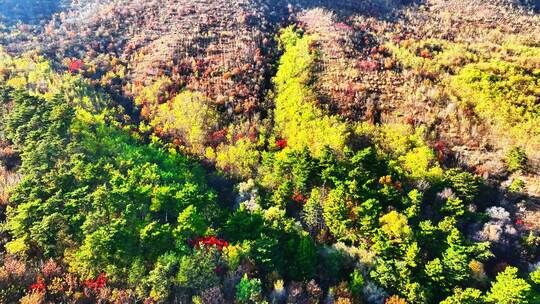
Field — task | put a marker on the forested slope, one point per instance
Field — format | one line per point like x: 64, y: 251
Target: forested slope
x: 268, y: 151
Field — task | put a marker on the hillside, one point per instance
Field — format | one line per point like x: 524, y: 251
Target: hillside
x: 270, y: 151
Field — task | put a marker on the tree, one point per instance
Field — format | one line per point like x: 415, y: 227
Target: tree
x: 394, y: 225
x: 336, y: 214
x: 190, y: 117
x: 239, y: 159
x: 535, y: 276
x: 467, y: 296
x: 191, y: 223
x: 161, y: 278
x: 243, y: 225
x: 296, y: 117
x: 466, y: 185
x: 312, y: 213
x: 302, y: 258
x: 198, y: 270
x: 95, y: 194
x: 508, y: 288
x: 155, y: 239
x: 248, y: 290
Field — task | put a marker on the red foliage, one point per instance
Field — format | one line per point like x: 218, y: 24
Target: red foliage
x: 519, y: 222
x: 75, y: 65
x: 50, y: 269
x: 281, y: 143
x: 38, y: 286
x: 343, y: 26
x: 368, y: 65
x: 253, y: 136
x: 425, y: 54
x: 208, y: 241
x: 440, y: 147
x: 218, y: 136
x: 299, y: 198
x: 468, y: 111
x: 98, y: 283
x: 410, y: 120
x: 238, y: 137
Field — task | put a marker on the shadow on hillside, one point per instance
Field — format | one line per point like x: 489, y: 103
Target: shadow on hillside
x: 535, y: 4
x: 28, y: 11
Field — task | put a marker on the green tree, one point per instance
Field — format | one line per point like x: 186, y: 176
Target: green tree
x: 467, y: 296
x: 248, y: 290
x: 312, y: 213
x: 197, y: 271
x: 161, y: 278
x: 336, y: 214
x: 191, y: 223
x: 509, y: 288
x: 466, y: 185
x: 95, y: 195
x: 302, y: 258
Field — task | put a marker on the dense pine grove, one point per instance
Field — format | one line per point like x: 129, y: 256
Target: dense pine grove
x: 269, y: 151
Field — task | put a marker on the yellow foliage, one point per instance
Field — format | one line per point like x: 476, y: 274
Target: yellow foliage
x: 505, y: 96
x: 150, y: 95
x: 415, y: 159
x: 240, y: 159
x: 395, y: 227
x: 477, y: 269
x: 190, y: 117
x: 421, y: 163
x: 17, y: 246
x: 297, y: 117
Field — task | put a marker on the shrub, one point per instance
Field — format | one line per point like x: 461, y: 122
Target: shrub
x: 212, y: 295
x: 314, y: 292
x: 516, y: 160
x: 517, y: 185
x: 395, y: 300
x: 35, y: 297
x: 248, y: 290
x: 503, y: 94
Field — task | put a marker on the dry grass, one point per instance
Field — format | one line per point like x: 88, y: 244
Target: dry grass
x: 8, y: 180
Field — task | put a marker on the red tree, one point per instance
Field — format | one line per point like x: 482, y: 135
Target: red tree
x: 75, y: 65
x: 38, y: 286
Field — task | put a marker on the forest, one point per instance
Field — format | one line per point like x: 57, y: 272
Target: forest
x: 270, y: 151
